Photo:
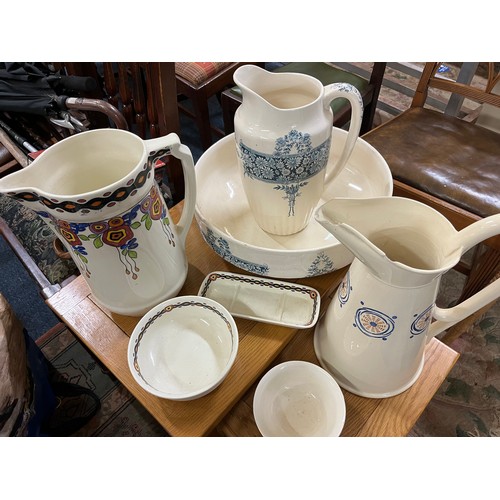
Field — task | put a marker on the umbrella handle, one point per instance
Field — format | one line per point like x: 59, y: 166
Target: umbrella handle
x: 87, y: 104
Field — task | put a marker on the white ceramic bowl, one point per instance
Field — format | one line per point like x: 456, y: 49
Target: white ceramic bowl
x: 298, y: 398
x: 228, y: 226
x: 183, y: 348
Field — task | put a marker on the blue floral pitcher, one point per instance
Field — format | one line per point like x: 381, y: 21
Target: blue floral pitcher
x: 283, y: 132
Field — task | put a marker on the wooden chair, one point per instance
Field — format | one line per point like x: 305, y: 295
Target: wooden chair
x: 326, y: 74
x: 145, y: 94
x: 448, y: 162
x: 199, y: 81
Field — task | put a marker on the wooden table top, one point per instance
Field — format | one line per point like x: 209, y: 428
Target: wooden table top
x: 228, y: 409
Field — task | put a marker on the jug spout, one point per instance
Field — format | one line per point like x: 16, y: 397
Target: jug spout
x: 26, y: 187
x: 269, y: 91
x: 248, y: 75
x: 252, y: 80
x: 19, y: 182
x: 400, y: 240
x: 360, y: 246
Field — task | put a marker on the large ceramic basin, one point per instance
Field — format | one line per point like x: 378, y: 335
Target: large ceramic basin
x: 227, y: 224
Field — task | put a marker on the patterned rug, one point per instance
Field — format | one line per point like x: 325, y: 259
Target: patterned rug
x: 120, y: 415
x: 467, y: 404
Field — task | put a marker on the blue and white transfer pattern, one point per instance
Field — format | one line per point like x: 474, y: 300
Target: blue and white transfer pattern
x: 322, y: 264
x: 292, y: 163
x: 221, y: 247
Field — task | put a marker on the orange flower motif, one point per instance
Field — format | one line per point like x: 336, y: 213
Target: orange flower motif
x: 70, y: 236
x: 63, y: 224
x: 153, y: 205
x: 146, y: 205
x: 116, y: 222
x: 117, y: 236
x: 156, y: 209
x: 98, y: 227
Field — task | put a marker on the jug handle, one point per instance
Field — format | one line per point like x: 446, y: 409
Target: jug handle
x: 445, y: 318
x: 181, y: 152
x: 351, y: 93
x: 466, y: 238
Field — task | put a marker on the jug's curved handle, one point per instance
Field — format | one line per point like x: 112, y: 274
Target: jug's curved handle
x: 445, y: 318
x: 182, y: 152
x: 465, y: 239
x: 345, y: 91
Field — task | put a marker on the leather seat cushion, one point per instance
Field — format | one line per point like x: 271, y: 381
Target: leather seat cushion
x: 447, y: 157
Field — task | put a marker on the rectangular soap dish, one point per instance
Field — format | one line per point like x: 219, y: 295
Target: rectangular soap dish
x: 263, y: 299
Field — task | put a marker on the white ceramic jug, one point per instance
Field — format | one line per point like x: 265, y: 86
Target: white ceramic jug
x: 373, y: 335
x: 283, y: 132
x: 96, y: 190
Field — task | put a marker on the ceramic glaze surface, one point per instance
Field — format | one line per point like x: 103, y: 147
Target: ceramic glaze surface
x: 183, y: 348
x: 283, y: 132
x: 373, y: 336
x: 119, y: 233
x: 262, y: 299
x: 288, y: 172
x: 230, y: 229
x: 298, y: 399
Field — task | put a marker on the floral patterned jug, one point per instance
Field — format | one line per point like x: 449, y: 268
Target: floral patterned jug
x: 283, y: 132
x: 372, y: 338
x: 96, y: 190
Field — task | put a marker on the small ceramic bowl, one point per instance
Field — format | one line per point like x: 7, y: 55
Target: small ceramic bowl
x: 298, y: 398
x: 183, y: 348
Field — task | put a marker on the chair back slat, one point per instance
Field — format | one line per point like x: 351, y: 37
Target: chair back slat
x: 139, y: 93
x: 146, y: 95
x: 481, y: 95
x: 110, y: 84
x: 153, y: 116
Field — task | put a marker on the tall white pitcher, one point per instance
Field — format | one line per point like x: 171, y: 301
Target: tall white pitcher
x: 283, y: 133
x: 373, y: 335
